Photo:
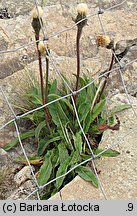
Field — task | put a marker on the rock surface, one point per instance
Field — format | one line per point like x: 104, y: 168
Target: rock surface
x: 23, y: 191
x: 18, y: 68
x: 23, y: 175
x: 17, y: 31
x: 118, y: 175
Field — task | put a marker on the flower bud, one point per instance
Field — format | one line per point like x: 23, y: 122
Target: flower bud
x: 35, y: 13
x: 41, y: 48
x: 82, y: 9
x: 81, y: 18
x: 104, y: 41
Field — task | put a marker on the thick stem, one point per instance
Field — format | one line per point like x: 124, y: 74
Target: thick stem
x: 79, y: 30
x: 42, y: 84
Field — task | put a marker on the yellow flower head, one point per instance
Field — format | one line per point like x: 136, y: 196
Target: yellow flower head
x: 41, y: 47
x: 103, y: 41
x: 82, y: 9
x: 35, y: 12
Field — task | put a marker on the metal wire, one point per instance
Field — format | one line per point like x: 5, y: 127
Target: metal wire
x: 15, y: 117
x: 60, y: 32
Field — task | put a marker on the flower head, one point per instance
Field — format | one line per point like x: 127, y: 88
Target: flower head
x: 104, y: 41
x: 41, y: 48
x: 82, y: 9
x: 37, y: 12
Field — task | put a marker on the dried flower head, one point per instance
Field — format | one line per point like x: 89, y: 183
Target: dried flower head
x: 35, y: 12
x: 41, y: 48
x: 104, y: 41
x: 82, y: 9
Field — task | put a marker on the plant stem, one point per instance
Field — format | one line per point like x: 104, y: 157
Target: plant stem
x: 42, y: 84
x: 79, y: 30
x: 47, y: 78
x: 106, y: 77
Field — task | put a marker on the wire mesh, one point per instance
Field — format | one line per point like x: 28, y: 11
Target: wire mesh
x: 117, y: 69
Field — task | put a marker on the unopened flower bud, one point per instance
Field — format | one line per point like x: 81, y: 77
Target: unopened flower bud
x: 104, y: 41
x: 37, y: 12
x: 82, y: 9
x: 81, y: 18
x: 41, y: 48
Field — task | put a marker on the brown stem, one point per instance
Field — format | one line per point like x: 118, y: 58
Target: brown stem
x: 42, y: 84
x: 79, y: 30
x: 47, y: 78
x: 106, y: 77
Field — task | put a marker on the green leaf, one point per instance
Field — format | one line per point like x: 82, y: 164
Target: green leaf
x: 76, y: 158
x: 63, y: 152
x: 78, y: 142
x: 91, y: 91
x: 43, y: 144
x: 33, y: 160
x: 92, y: 116
x: 81, y: 97
x: 53, y: 87
x: 57, y: 112
x: 36, y: 99
x: 39, y: 128
x: 65, y: 88
x: 62, y: 170
x: 64, y: 100
x: 119, y: 108
x: 16, y: 141
x: 108, y: 153
x: 111, y: 120
x: 62, y: 132
x: 87, y: 174
x: 82, y: 82
x: 55, y: 158
x: 45, y: 170
x: 38, y: 116
x: 83, y: 110
x: 85, y: 156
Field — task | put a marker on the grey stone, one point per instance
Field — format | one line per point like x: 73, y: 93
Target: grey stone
x: 3, y: 157
x: 23, y: 191
x: 23, y: 175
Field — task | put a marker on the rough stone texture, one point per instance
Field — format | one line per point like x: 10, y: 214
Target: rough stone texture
x: 18, y: 31
x: 3, y: 157
x: 118, y: 175
x: 23, y: 175
x: 120, y: 23
x: 23, y: 191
